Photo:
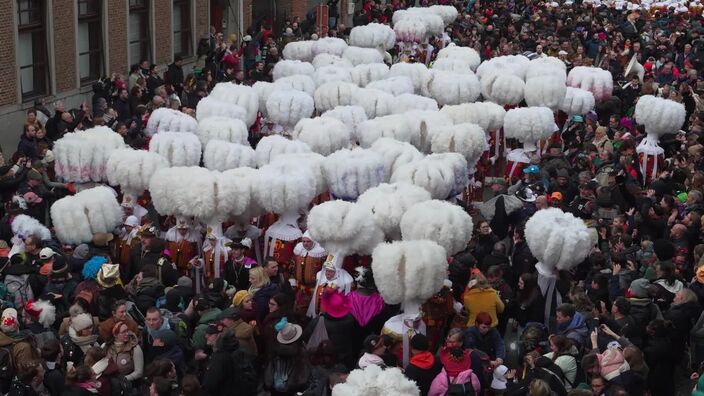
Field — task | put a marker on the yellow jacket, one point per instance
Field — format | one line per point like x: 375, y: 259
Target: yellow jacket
x: 482, y: 300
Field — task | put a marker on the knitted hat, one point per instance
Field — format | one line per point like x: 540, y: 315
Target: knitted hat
x: 420, y: 342
x: 499, y: 381
x: 639, y: 288
x: 8, y: 321
x: 185, y: 281
x: 33, y: 174
x: 167, y: 336
x: 239, y: 297
x: 664, y: 250
x: 81, y: 322
x: 81, y: 252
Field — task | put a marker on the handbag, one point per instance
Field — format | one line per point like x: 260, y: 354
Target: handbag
x: 320, y: 334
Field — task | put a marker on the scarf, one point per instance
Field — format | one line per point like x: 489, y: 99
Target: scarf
x: 83, y: 342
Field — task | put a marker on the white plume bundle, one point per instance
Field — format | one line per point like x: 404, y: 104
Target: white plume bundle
x: 388, y: 203
x: 488, y: 115
x: 373, y: 35
x: 185, y: 191
x: 545, y: 91
x: 395, y: 153
x: 168, y: 120
x: 240, y: 95
x: 508, y: 64
x: 287, y: 107
x: 298, y: 82
x: 369, y: 381
x: 409, y: 271
x: 263, y: 90
x: 448, y: 13
x: 210, y: 107
x: 391, y: 126
x: 466, y: 139
x: 453, y: 88
x: 547, y: 66
x: 76, y: 218
x: 452, y: 64
x: 298, y: 50
x: 417, y: 72
x: 577, y: 101
x: 364, y: 74
x: 235, y: 192
x: 284, y: 187
x: 329, y: 45
x: 359, y: 56
x: 333, y: 94
x: 23, y: 226
x: 596, y: 80
x: 557, y: 239
x: 269, y: 147
x: 133, y: 169
x: 503, y: 88
x: 322, y: 60
x: 410, y: 31
x: 221, y: 155
x: 458, y: 164
x: 324, y: 135
x: 352, y: 116
x: 438, y: 177
x: 375, y: 103
x: 444, y: 223
x: 421, y: 125
x: 47, y: 313
x: 350, y: 173
x: 659, y: 116
x: 344, y: 228
x: 466, y: 54
x: 180, y: 149
x: 82, y: 156
x: 326, y: 74
x: 285, y: 68
x: 433, y: 23
x: 222, y: 128
x: 313, y: 161
x: 394, y: 85
x: 529, y: 124
x: 408, y: 102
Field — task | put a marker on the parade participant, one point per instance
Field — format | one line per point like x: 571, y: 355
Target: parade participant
x: 329, y: 278
x: 183, y: 243
x: 308, y: 259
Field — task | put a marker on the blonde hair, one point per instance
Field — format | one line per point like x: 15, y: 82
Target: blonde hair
x: 539, y: 387
x: 260, y: 277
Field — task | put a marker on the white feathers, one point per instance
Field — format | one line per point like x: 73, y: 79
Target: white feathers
x: 350, y: 173
x: 133, y: 169
x: 324, y: 135
x: 453, y: 65
x: 235, y: 192
x: 333, y: 94
x: 211, y: 107
x: 76, y: 218
x: 509, y: 64
x: 269, y: 147
x: 287, y: 107
x: 263, y: 90
x: 313, y: 161
x: 446, y: 224
x: 180, y: 149
x: 440, y: 174
x: 503, y: 88
x: 577, y: 101
x: 489, y: 116
x: 391, y: 126
x: 395, y: 153
x: 593, y: 79
x: 168, y: 120
x: 373, y: 379
x: 222, y: 128
x: 529, y: 124
x: 394, y: 85
x: 81, y: 156
x: 344, y: 228
x: 298, y: 50
x: 407, y: 102
x: 285, y: 68
x: 23, y: 226
x: 410, y: 31
x: 373, y: 35
x: 417, y: 72
x: 330, y: 60
x: 659, y: 116
x: 366, y: 73
x: 282, y: 187
x: 352, y: 116
x: 326, y: 74
x: 388, y: 203
x: 409, y: 270
x: 466, y: 139
x: 375, y: 103
x: 359, y: 56
x: 545, y: 83
x: 240, y: 95
x: 329, y: 45
x: 421, y: 125
x: 453, y: 88
x: 220, y: 155
x: 299, y: 82
x: 466, y: 54
x: 448, y: 13
x: 186, y: 191
x: 433, y: 24
x: 557, y: 239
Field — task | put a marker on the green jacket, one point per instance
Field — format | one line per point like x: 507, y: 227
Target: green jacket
x: 198, y: 340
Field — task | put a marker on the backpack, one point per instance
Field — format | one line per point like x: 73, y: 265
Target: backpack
x: 485, y: 373
x: 245, y: 377
x: 454, y: 389
x: 18, y: 289
x: 7, y: 370
x: 283, y: 369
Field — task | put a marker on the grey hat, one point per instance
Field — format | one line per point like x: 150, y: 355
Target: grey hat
x: 639, y: 288
x: 166, y: 335
x: 230, y: 313
x: 184, y: 281
x: 81, y: 252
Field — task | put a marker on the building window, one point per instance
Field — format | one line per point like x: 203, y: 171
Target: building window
x: 139, y: 31
x: 32, y: 49
x: 182, y: 28
x: 90, y: 54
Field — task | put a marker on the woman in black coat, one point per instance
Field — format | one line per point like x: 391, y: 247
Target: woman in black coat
x: 343, y: 333
x: 531, y: 303
x: 218, y: 378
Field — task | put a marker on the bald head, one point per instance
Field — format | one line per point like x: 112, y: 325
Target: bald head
x: 678, y: 231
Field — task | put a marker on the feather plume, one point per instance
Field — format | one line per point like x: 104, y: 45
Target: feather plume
x: 180, y: 149
x: 557, y: 239
x: 388, y: 203
x: 220, y: 155
x: 269, y: 147
x: 444, y: 223
x: 324, y: 135
x: 350, y: 173
x: 222, y: 128
x: 344, y: 228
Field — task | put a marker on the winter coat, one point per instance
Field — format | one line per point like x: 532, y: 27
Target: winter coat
x: 532, y: 310
x: 18, y: 388
x: 489, y: 343
x: 245, y: 336
x: 343, y: 333
x: 576, y: 330
x: 642, y: 311
x: 523, y: 260
x: 54, y: 378
x: 661, y: 359
x: 422, y: 369
x: 146, y: 293
x: 683, y: 318
x: 291, y: 360
x: 27, y: 146
x: 208, y: 316
x: 440, y: 384
x: 218, y: 378
x: 568, y: 365
x: 20, y: 345
x: 261, y: 298
x: 482, y: 300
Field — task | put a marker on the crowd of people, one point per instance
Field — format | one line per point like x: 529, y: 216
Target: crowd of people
x: 123, y: 314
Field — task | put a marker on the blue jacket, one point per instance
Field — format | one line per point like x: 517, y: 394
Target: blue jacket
x: 490, y: 343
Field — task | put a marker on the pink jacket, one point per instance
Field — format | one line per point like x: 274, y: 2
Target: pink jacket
x: 439, y: 385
